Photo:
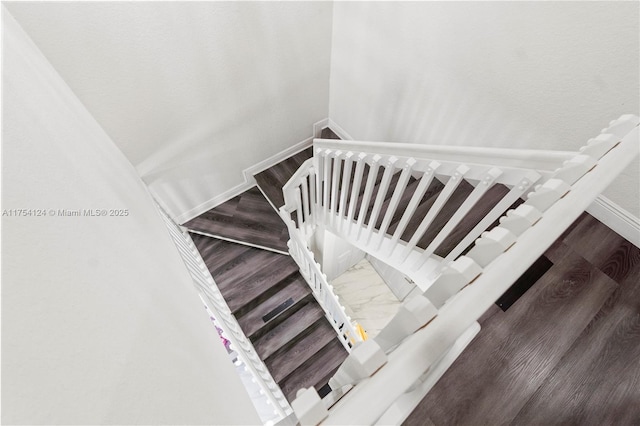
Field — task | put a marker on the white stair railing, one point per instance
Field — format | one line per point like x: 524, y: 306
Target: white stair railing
x: 301, y: 228
x: 224, y: 319
x: 381, y: 370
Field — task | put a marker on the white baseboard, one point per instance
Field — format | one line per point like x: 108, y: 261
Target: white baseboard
x: 339, y: 130
x: 317, y: 127
x: 217, y: 200
x: 275, y: 159
x: 248, y: 173
x: 616, y: 218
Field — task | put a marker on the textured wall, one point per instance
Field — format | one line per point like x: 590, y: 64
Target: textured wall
x: 511, y: 74
x: 100, y: 321
x: 192, y: 92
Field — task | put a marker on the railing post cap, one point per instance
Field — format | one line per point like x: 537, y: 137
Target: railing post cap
x: 308, y: 407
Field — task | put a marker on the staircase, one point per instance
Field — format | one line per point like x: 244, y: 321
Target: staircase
x: 243, y: 244
x: 461, y: 223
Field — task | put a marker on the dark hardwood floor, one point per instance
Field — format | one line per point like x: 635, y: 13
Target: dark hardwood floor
x: 247, y: 218
x: 566, y: 352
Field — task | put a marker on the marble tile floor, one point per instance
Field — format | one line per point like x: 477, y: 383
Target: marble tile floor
x: 366, y: 297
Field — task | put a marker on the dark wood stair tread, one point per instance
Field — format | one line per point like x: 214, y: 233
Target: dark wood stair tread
x: 282, y: 364
x: 217, y: 253
x: 327, y: 133
x: 273, y: 179
x: 259, y: 279
x: 288, y: 330
x: 246, y: 218
x: 244, y: 266
x: 315, y: 370
x: 253, y: 322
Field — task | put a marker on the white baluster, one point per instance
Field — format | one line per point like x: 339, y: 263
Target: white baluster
x: 355, y: 190
x: 335, y: 184
x: 326, y: 181
x: 368, y: 190
x: 443, y: 197
x: 298, y: 207
x: 477, y: 193
x: 305, y: 206
x: 425, y: 182
x: 401, y: 187
x: 389, y: 169
x: 313, y: 185
x: 346, y: 179
x: 528, y: 179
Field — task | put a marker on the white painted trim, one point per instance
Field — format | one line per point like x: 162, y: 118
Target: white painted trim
x: 275, y: 159
x: 211, y: 203
x: 244, y: 243
x: 616, y: 218
x: 338, y: 130
x: 248, y: 173
x: 317, y: 127
x: 405, y: 404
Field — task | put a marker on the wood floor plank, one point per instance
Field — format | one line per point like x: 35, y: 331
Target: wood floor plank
x: 331, y: 356
x: 598, y: 381
x: 603, y: 248
x: 247, y: 218
x: 287, y: 331
x: 255, y: 284
x: 217, y: 254
x: 516, y: 350
x: 286, y: 362
x: 327, y: 133
x: 273, y: 179
x: 238, y: 268
x: 252, y: 322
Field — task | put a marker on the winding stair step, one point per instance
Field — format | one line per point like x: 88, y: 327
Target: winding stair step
x: 247, y: 218
x: 217, y: 253
x: 273, y: 179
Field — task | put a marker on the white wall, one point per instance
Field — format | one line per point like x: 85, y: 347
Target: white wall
x: 335, y: 255
x: 100, y: 322
x: 510, y: 74
x: 192, y: 92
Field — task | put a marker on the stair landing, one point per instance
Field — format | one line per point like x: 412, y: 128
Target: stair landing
x: 247, y: 219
